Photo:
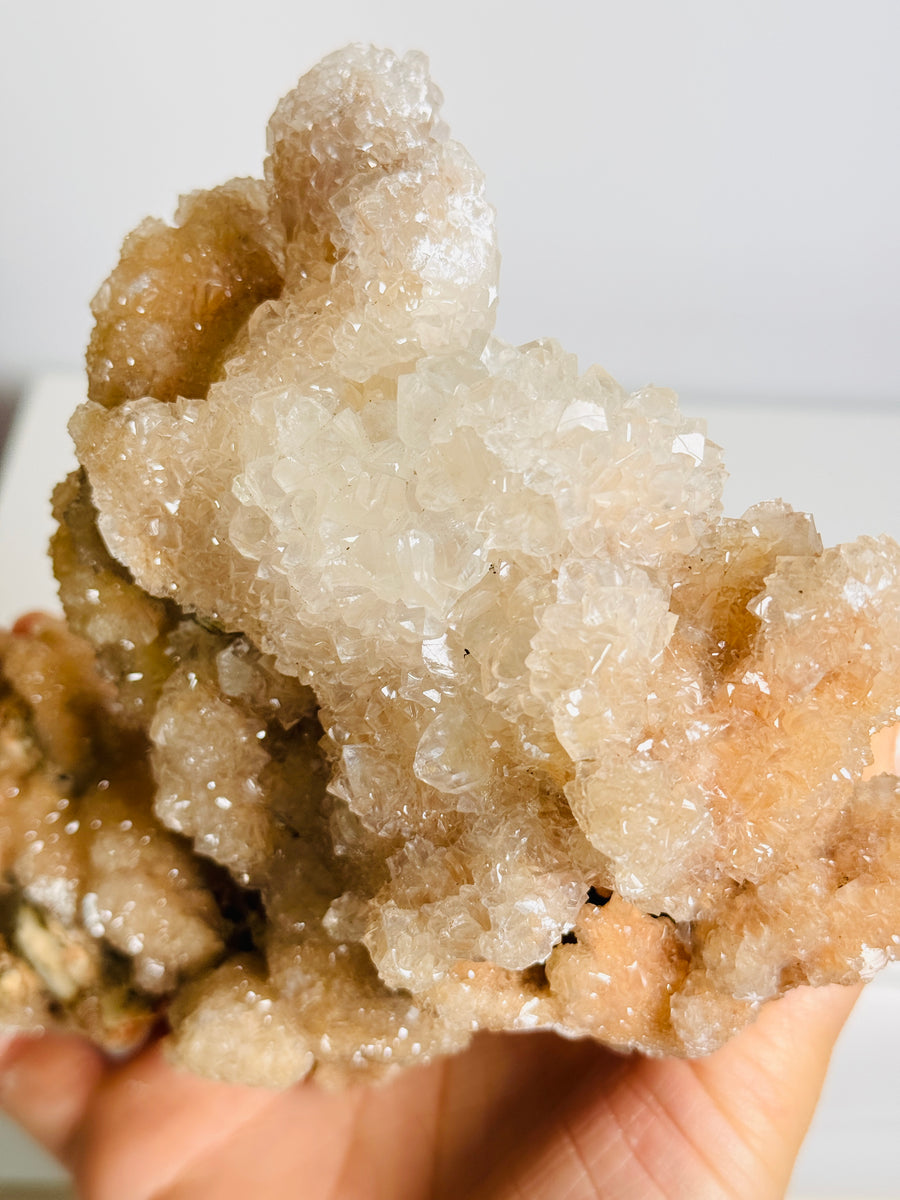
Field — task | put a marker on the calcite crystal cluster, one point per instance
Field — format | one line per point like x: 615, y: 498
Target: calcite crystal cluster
x: 413, y: 682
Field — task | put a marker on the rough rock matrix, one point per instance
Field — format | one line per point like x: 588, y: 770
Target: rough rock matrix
x: 432, y: 693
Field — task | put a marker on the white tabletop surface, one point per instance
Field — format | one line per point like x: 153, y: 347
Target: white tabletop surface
x: 841, y: 464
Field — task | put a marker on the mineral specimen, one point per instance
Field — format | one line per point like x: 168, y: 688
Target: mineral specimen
x: 432, y: 693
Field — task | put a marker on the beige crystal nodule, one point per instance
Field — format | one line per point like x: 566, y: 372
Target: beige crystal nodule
x: 434, y: 692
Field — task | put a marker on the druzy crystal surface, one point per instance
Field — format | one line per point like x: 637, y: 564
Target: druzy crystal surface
x: 414, y: 683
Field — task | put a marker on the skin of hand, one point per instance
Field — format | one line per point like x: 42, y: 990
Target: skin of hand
x: 516, y: 1117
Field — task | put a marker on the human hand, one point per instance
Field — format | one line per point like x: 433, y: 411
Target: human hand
x: 516, y: 1117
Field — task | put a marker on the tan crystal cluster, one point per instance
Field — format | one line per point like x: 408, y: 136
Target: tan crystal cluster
x: 434, y: 693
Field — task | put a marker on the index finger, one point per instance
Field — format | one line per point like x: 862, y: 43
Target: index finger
x: 46, y: 1082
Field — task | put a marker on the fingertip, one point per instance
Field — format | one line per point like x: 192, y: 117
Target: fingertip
x: 46, y: 1081
x: 810, y: 1018
x: 768, y: 1079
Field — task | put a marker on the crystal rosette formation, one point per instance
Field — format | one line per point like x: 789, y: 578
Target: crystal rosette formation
x: 433, y: 693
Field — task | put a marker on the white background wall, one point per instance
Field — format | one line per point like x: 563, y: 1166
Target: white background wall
x: 701, y: 193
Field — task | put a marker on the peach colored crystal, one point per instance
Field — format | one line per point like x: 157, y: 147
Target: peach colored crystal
x: 435, y: 694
